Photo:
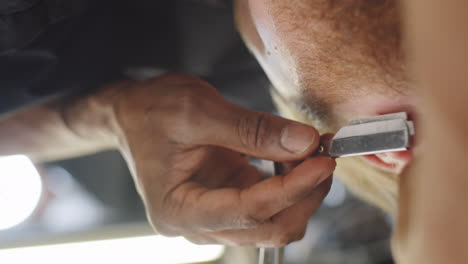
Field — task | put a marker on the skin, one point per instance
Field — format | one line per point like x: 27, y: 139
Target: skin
x: 333, y: 60
x: 332, y: 64
x: 432, y: 221
x: 335, y: 66
x: 188, y: 150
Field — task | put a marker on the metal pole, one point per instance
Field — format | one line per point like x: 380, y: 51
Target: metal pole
x: 272, y: 255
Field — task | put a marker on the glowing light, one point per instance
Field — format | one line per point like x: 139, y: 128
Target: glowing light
x: 20, y: 190
x: 141, y: 250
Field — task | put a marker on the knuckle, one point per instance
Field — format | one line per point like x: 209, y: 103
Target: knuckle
x: 163, y: 229
x: 191, y: 103
x: 301, y: 234
x: 199, y: 240
x: 248, y: 221
x: 250, y: 217
x: 163, y: 222
x: 172, y: 101
x: 186, y: 104
x: 182, y: 93
x: 253, y: 130
x: 282, y: 239
x: 288, y: 234
x: 184, y: 112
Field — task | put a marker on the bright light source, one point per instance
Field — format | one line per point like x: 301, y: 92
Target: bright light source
x: 141, y: 250
x: 20, y: 190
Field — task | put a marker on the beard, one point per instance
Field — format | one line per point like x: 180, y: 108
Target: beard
x: 373, y: 185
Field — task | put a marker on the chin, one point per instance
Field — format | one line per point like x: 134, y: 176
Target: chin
x: 374, y: 185
x: 373, y: 178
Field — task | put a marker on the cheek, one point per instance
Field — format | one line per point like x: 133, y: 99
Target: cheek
x: 277, y: 57
x: 356, y: 107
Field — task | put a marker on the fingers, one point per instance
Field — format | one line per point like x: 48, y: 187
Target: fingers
x: 198, y: 115
x: 271, y: 196
x: 232, y: 208
x: 286, y: 227
x: 190, y: 112
x: 167, y: 141
x: 259, y: 134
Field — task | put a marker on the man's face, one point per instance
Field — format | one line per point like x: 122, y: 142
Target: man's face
x: 331, y: 61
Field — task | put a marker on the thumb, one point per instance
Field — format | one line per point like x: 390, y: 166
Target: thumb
x: 256, y: 133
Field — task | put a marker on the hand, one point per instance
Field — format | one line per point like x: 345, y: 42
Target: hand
x: 186, y: 147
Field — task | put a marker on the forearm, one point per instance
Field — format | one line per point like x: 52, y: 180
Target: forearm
x: 433, y: 221
x: 62, y: 129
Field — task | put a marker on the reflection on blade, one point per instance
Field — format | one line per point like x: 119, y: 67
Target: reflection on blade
x: 386, y: 133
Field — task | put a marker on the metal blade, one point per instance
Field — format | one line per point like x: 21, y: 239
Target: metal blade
x: 402, y: 115
x: 386, y: 133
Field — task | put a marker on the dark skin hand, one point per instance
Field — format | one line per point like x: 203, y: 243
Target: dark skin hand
x: 188, y: 150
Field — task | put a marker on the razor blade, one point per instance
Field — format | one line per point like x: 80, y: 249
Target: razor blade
x: 385, y: 133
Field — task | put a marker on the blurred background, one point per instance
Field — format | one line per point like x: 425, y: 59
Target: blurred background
x: 92, y: 200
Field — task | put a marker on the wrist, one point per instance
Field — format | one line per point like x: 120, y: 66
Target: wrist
x: 93, y: 118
